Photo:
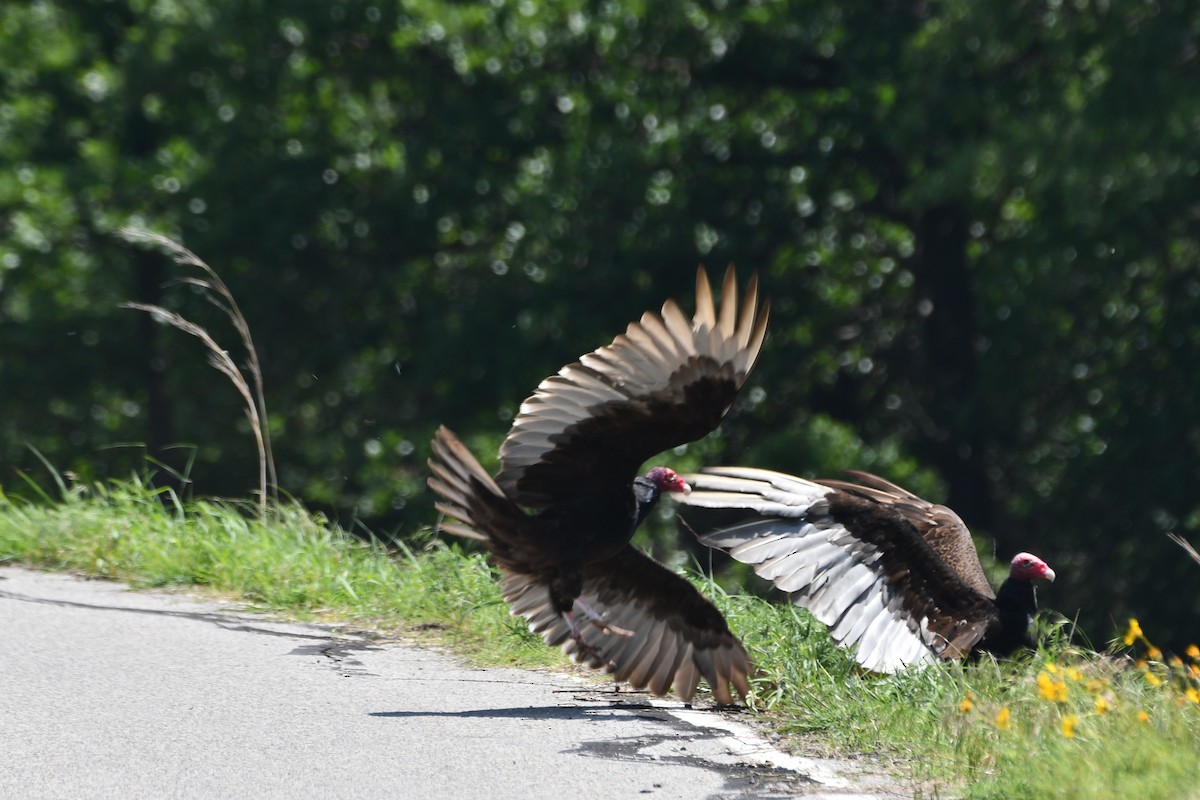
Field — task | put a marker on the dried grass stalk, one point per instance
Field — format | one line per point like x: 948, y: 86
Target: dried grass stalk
x: 1187, y: 547
x: 217, y: 293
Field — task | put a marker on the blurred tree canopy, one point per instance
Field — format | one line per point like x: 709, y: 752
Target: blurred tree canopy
x: 979, y: 223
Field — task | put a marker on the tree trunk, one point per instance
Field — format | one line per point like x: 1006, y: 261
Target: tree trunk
x: 949, y: 373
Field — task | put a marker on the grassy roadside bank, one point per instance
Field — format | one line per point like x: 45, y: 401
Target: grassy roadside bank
x: 291, y: 562
x: 1063, y: 723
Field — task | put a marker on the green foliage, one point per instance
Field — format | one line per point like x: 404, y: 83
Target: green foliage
x: 977, y: 221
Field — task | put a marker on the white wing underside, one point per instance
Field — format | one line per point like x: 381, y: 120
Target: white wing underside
x: 800, y: 548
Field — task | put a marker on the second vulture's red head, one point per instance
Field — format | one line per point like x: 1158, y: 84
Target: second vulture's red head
x: 1028, y: 567
x: 667, y: 480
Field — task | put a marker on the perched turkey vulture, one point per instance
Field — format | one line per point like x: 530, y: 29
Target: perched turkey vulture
x: 891, y: 574
x: 559, y: 516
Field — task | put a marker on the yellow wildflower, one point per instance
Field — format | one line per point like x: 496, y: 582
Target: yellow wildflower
x: 1154, y: 654
x: 1175, y: 661
x: 1133, y: 632
x: 1050, y: 689
x: 1143, y: 717
x: 1102, y: 705
x: 1069, y: 723
x: 1095, y: 685
x: 1004, y: 719
x: 1074, y: 674
x: 1195, y: 670
x: 1153, y: 679
x: 1141, y: 663
x: 966, y: 704
x: 1051, y: 667
x: 1193, y: 651
x: 1193, y: 694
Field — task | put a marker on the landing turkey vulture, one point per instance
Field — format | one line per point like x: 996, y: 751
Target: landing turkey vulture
x: 558, y: 517
x: 891, y: 574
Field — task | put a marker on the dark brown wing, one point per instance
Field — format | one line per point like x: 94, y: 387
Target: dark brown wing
x: 945, y: 531
x: 478, y: 510
x: 859, y: 566
x: 678, y: 636
x: 666, y: 381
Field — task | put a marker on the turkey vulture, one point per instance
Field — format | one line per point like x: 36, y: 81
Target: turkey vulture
x: 559, y: 515
x: 892, y: 574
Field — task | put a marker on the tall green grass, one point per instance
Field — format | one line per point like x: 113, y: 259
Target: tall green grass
x: 289, y: 561
x: 1063, y: 722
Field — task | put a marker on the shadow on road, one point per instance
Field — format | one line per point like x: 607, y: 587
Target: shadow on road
x: 591, y: 714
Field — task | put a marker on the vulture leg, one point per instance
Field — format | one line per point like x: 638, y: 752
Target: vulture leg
x: 598, y: 620
x: 581, y: 646
x: 593, y: 617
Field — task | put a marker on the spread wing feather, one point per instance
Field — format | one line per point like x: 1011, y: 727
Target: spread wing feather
x: 467, y: 494
x: 678, y: 636
x: 666, y: 381
x: 945, y: 531
x: 859, y: 565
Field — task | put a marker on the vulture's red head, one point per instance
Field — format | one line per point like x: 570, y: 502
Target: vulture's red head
x: 667, y: 480
x: 1027, y: 567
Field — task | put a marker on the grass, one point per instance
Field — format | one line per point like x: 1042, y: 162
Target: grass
x: 1064, y: 722
x: 290, y: 562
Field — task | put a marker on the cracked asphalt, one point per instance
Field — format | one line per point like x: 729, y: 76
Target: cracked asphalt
x: 106, y: 692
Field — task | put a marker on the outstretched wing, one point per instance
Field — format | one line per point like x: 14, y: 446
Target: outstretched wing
x: 666, y: 381
x: 945, y: 531
x: 677, y: 635
x: 858, y: 565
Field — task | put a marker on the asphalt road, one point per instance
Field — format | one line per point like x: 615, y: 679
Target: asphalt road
x: 106, y: 692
